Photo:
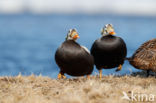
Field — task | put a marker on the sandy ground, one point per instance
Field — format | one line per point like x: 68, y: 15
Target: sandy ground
x: 110, y: 89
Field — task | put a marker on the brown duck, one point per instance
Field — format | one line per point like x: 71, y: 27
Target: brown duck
x: 145, y: 57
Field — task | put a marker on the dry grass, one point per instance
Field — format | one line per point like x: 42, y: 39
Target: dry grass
x: 38, y: 89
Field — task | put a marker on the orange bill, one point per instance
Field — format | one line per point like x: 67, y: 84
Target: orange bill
x: 112, y: 33
x: 76, y: 36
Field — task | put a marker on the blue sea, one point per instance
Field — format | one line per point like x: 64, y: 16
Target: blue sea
x: 28, y: 42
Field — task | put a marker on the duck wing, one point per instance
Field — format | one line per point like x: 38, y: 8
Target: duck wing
x: 149, y: 45
x: 83, y: 47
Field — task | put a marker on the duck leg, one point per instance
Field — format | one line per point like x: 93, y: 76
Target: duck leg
x: 61, y: 76
x: 88, y: 76
x: 100, y: 74
x: 148, y: 73
x: 119, y: 68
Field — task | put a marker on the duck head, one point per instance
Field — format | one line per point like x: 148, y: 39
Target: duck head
x: 72, y: 35
x: 107, y: 30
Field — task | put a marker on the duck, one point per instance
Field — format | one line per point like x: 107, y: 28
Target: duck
x: 144, y: 58
x: 72, y: 58
x: 109, y: 51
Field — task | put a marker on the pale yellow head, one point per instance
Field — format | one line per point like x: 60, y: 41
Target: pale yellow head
x: 107, y: 30
x: 72, y: 35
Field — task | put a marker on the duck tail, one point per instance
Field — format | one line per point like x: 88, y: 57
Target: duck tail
x: 128, y: 58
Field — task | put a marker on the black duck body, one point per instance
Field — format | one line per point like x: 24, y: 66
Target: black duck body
x: 109, y: 52
x: 73, y: 59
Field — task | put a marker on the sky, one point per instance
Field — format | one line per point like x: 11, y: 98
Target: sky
x: 132, y: 7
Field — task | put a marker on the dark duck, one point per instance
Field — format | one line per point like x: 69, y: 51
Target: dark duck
x: 72, y: 58
x: 144, y: 57
x: 109, y: 51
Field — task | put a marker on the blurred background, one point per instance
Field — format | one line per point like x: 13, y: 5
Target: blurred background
x: 31, y: 30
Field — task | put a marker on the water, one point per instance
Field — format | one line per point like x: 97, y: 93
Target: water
x: 28, y: 42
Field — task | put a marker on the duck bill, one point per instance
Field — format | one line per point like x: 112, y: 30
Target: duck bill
x: 76, y: 36
x: 112, y: 33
